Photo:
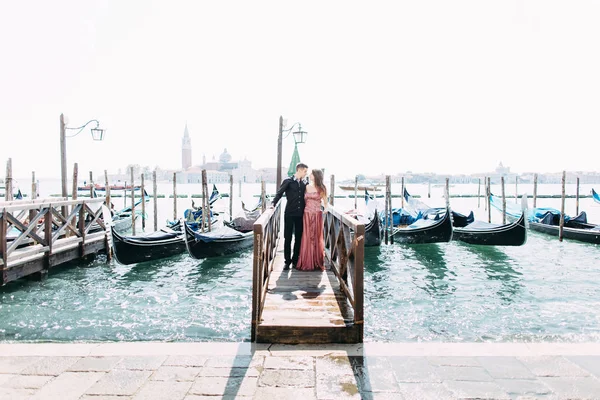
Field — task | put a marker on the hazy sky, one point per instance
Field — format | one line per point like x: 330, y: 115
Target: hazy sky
x: 381, y: 87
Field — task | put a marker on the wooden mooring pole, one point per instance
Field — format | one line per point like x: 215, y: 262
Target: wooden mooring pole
x: 485, y: 190
x: 143, y: 203
x: 8, y: 184
x: 447, y: 194
x: 132, y: 202
x: 428, y: 190
x: 577, y: 198
x: 240, y: 188
x: 356, y: 192
x: 33, y: 186
x: 479, y: 193
x: 205, y: 204
x: 561, y: 227
x: 535, y: 180
x: 401, y: 193
x: 230, y: 197
x: 391, y: 213
x: 75, y: 179
x: 503, y: 201
x: 155, y: 200
x: 125, y: 196
x: 107, y: 187
x: 489, y: 194
x: 516, y: 189
x: 387, y: 210
x: 174, y: 196
x: 263, y: 195
x: 91, y: 185
x: 332, y: 190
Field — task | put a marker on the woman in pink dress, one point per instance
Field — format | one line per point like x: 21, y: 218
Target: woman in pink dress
x: 312, y: 247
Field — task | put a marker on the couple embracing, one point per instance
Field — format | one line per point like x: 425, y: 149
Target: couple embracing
x: 303, y: 219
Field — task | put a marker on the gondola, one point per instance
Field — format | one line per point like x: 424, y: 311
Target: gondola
x: 220, y: 241
x: 460, y: 221
x: 434, y: 227
x: 596, y: 196
x: 479, y: 232
x: 373, y: 231
x: 547, y: 220
x: 160, y: 244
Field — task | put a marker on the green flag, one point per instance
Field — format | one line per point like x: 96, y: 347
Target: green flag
x: 295, y: 160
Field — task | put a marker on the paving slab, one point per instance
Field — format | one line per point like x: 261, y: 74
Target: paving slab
x: 154, y: 390
x: 76, y: 382
x: 235, y: 362
x: 453, y: 361
x: 340, y: 387
x: 505, y: 368
x: 52, y: 365
x: 331, y: 366
x: 274, y: 393
x: 236, y: 372
x: 119, y: 383
x: 476, y: 390
x: 374, y: 374
x: 16, y: 394
x: 474, y: 374
x: 175, y: 374
x: 424, y: 391
x: 94, y: 364
x: 590, y: 363
x: 185, y: 361
x: 287, y: 378
x: 26, y: 381
x: 287, y: 362
x: 414, y: 369
x: 16, y: 364
x: 141, y: 363
x: 556, y: 366
x: 214, y: 386
x: 573, y: 387
x: 522, y: 387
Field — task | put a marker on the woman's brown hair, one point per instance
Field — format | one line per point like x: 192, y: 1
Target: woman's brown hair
x: 318, y: 175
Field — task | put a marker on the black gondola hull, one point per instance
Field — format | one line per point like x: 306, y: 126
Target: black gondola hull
x: 440, y: 232
x: 373, y: 231
x: 581, y: 235
x: 129, y: 250
x: 514, y: 234
x: 199, y: 249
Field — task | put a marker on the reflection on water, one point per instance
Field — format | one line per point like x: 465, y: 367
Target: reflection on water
x: 438, y: 279
x: 498, y: 267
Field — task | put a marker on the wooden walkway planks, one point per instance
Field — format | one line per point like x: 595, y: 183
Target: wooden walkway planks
x: 304, y: 307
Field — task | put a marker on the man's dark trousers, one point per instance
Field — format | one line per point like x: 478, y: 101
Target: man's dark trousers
x: 293, y: 225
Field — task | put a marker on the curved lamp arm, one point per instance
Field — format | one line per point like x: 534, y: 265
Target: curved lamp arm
x: 81, y: 128
x: 289, y: 130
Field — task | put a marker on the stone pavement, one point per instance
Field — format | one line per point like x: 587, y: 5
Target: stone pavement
x: 194, y: 371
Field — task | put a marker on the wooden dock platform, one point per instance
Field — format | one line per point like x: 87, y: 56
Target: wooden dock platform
x: 292, y: 306
x: 40, y: 234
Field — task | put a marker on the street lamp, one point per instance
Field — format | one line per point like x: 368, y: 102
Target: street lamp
x: 97, y: 134
x: 299, y: 137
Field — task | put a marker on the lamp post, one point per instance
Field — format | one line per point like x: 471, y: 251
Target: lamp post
x: 299, y: 137
x: 97, y: 134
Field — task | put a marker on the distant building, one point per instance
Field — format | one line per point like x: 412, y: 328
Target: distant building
x: 186, y: 150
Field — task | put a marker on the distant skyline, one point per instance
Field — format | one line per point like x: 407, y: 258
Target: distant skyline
x: 382, y: 87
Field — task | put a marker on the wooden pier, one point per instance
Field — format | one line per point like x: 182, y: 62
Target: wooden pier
x: 291, y: 306
x: 35, y: 235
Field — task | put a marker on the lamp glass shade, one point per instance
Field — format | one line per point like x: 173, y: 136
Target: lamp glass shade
x: 300, y: 136
x: 97, y: 134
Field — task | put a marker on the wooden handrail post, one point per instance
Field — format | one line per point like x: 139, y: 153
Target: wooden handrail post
x: 256, y: 279
x: 3, y: 243
x: 358, y: 283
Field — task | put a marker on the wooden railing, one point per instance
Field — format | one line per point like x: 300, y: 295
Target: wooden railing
x: 266, y: 240
x: 41, y: 226
x: 345, y: 249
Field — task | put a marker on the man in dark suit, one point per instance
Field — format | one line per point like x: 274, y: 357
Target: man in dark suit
x: 294, y: 188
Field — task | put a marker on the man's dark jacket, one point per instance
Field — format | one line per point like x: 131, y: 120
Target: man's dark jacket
x: 294, y: 190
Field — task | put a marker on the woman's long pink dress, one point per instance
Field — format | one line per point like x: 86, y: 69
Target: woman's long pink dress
x: 312, y: 248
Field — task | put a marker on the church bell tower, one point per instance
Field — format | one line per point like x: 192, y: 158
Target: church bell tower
x: 186, y: 150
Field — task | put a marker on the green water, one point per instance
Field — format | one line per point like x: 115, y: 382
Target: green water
x: 542, y: 291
